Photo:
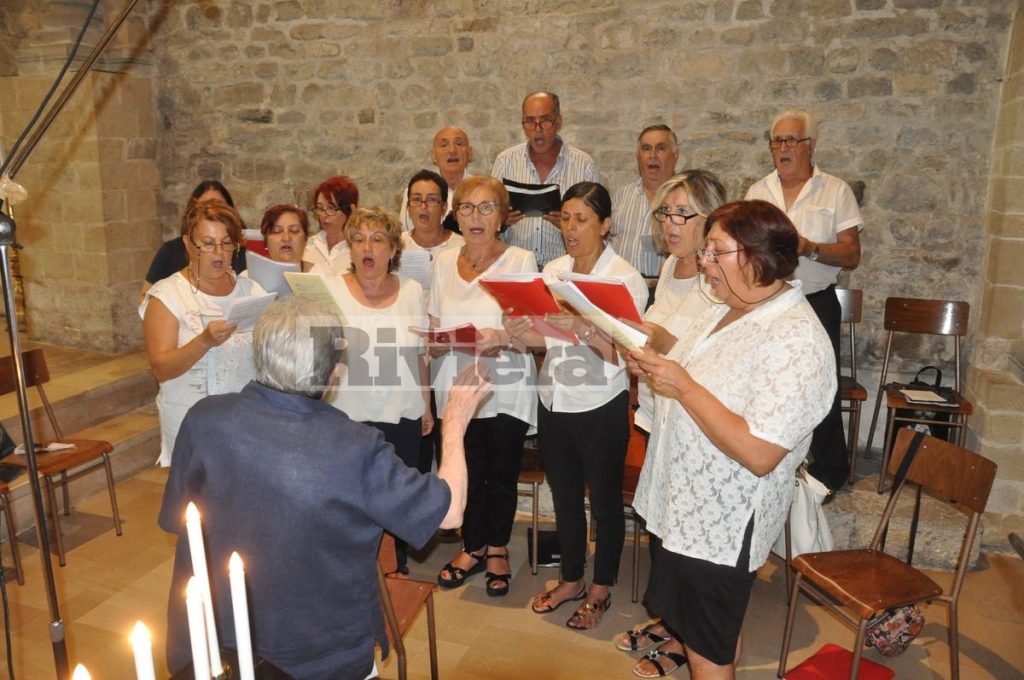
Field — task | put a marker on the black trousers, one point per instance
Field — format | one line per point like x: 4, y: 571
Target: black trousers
x: 494, y: 456
x: 587, y: 448
x: 405, y: 437
x: 830, y: 461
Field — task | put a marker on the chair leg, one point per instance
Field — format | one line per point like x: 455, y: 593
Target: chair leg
x: 432, y: 637
x: 854, y: 438
x: 65, y: 493
x: 13, y: 538
x: 858, y: 649
x: 113, y: 496
x: 55, y: 513
x: 954, y: 642
x: 535, y: 558
x: 789, y: 558
x: 886, y: 449
x: 787, y: 634
x: 636, y: 557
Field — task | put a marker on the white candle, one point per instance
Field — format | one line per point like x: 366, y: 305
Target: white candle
x: 197, y: 630
x: 80, y: 673
x: 240, y: 610
x: 198, y: 551
x: 142, y: 647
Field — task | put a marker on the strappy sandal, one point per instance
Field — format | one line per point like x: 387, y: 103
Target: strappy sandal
x: 497, y: 584
x: 640, y: 639
x: 589, y: 614
x: 458, y: 575
x: 542, y: 604
x: 678, y: 658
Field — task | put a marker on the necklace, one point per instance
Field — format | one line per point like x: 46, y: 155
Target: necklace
x: 694, y: 287
x: 481, y: 263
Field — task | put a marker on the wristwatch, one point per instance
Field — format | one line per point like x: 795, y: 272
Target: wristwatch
x: 815, y: 252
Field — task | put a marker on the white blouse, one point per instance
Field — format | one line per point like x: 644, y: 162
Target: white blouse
x: 455, y: 301
x: 677, y: 303
x: 775, y: 368
x: 574, y: 378
x: 379, y: 380
x: 223, y: 369
x: 337, y: 260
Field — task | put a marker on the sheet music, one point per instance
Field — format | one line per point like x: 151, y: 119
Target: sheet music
x: 270, y: 274
x: 246, y: 310
x: 415, y: 265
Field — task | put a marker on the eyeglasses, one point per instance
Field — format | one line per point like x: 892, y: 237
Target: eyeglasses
x: 430, y: 201
x: 676, y: 218
x: 712, y: 255
x: 228, y: 247
x: 485, y: 208
x: 327, y: 210
x: 544, y: 123
x: 788, y: 142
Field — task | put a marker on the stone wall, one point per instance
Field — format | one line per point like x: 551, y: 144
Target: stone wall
x: 997, y: 367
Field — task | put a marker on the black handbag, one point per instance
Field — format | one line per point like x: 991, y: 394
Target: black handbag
x: 934, y: 429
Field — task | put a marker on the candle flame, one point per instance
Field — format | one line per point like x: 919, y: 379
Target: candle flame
x: 80, y: 673
x: 191, y: 512
x: 235, y: 563
x: 140, y: 635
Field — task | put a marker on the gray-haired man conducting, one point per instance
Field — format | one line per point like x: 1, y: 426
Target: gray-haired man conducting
x: 303, y: 493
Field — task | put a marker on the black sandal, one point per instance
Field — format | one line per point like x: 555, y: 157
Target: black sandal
x: 458, y: 575
x: 678, y: 658
x: 498, y: 584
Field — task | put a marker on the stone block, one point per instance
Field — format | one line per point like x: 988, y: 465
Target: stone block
x: 241, y: 94
x: 917, y: 4
x: 913, y: 85
x: 866, y: 86
x: 962, y: 83
x: 1005, y: 259
x: 749, y: 10
x: 842, y: 60
x: 1002, y: 316
x: 1002, y: 224
x: 888, y: 27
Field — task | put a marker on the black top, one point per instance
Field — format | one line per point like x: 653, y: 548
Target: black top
x: 172, y: 257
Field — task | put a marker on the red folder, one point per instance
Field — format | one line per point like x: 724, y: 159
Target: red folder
x: 832, y: 662
x: 528, y: 297
x: 465, y: 335
x: 610, y: 295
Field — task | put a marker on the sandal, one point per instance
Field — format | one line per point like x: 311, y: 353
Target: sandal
x: 677, y: 658
x: 542, y: 604
x: 639, y: 639
x: 458, y: 575
x: 589, y: 614
x: 497, y: 584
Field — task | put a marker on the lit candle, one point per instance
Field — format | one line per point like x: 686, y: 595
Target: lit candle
x: 197, y: 630
x: 198, y: 552
x: 80, y: 673
x: 142, y: 646
x: 240, y: 610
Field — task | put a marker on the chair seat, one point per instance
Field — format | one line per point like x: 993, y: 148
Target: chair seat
x: 55, y: 462
x: 851, y: 390
x: 407, y: 597
x: 894, y: 399
x: 531, y: 476
x: 867, y: 581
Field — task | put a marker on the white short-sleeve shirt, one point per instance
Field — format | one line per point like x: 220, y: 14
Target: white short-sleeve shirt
x: 775, y: 368
x: 336, y: 260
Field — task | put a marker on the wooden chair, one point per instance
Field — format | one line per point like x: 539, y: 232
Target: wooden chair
x: 5, y: 507
x: 532, y: 475
x: 851, y: 393
x: 861, y: 584
x: 61, y: 467
x: 919, y: 316
x: 401, y: 599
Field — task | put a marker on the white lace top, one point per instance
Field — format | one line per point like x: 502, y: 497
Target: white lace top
x: 225, y: 368
x: 775, y: 368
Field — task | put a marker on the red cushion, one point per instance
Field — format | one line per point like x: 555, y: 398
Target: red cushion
x: 832, y: 661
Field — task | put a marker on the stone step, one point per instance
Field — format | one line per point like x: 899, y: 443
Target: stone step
x: 136, y: 440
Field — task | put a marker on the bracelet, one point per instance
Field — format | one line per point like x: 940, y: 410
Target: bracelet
x: 589, y: 334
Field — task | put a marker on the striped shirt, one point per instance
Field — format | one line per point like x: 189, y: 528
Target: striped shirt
x: 631, y: 221
x: 533, y: 233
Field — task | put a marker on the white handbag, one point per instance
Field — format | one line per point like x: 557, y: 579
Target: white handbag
x: 808, y: 526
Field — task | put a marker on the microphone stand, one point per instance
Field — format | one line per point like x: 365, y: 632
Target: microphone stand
x: 8, y: 231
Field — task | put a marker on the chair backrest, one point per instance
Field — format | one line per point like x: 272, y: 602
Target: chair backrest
x: 851, y: 304
x: 947, y: 471
x: 387, y: 556
x: 918, y: 315
x: 36, y: 375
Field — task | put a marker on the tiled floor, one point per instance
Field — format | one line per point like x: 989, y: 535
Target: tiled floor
x: 110, y: 582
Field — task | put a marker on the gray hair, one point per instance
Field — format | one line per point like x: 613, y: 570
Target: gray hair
x: 703, y: 189
x: 297, y: 343
x: 809, y: 121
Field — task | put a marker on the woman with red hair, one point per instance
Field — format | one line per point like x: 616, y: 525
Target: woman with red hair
x: 333, y: 202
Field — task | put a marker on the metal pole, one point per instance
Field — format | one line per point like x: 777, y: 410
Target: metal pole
x: 60, y: 652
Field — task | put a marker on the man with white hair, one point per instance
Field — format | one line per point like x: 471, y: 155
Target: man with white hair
x: 825, y: 213
x: 451, y: 153
x: 303, y: 494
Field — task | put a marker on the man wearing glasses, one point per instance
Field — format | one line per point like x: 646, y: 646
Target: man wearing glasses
x: 451, y: 153
x: 825, y: 213
x: 656, y: 156
x: 543, y: 159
